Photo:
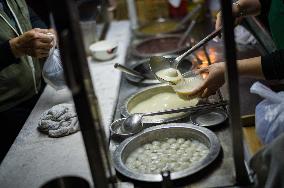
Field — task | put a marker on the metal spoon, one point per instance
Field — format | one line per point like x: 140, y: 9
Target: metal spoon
x: 133, y: 123
x: 189, y: 16
x: 128, y: 71
x: 191, y: 26
x: 186, y: 33
x: 157, y: 63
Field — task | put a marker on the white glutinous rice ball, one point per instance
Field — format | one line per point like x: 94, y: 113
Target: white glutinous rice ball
x: 174, y: 146
x: 165, y: 145
x: 187, y: 143
x: 172, y: 154
x: 171, y: 140
x: 180, y: 152
x: 155, y: 148
x: 147, y: 146
x: 180, y: 140
x: 156, y: 143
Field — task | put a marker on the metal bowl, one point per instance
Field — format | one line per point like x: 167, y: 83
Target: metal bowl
x: 182, y: 130
x: 209, y: 118
x: 142, y: 66
x: 158, y: 41
x: 141, y: 34
x: 143, y: 94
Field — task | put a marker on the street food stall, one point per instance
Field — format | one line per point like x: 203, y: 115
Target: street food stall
x: 201, y: 144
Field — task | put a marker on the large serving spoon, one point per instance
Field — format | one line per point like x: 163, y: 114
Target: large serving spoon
x: 158, y: 63
x: 133, y: 123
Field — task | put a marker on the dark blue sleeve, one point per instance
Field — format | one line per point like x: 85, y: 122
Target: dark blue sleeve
x: 273, y: 65
x: 35, y: 20
x: 6, y: 55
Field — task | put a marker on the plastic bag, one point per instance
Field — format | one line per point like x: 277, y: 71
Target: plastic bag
x: 243, y: 36
x: 52, y: 72
x: 269, y: 113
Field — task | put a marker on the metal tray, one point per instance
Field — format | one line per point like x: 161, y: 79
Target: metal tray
x: 181, y: 130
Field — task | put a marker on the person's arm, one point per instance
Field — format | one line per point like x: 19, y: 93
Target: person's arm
x: 250, y: 67
x: 35, y: 20
x: 241, y: 9
x: 268, y: 67
x: 215, y: 77
x: 273, y: 65
x: 6, y: 55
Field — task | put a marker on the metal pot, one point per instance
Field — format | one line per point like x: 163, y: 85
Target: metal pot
x: 180, y: 130
x: 156, y: 42
x: 140, y: 96
x: 139, y: 31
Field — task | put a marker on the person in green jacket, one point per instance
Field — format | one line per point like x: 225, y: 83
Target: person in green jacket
x: 23, y: 48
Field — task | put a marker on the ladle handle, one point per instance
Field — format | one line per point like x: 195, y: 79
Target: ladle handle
x: 187, y: 32
x: 128, y: 70
x: 189, y: 15
x: 199, y: 44
x: 188, y: 109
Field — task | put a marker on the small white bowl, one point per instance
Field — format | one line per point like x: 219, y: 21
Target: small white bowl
x: 104, y: 50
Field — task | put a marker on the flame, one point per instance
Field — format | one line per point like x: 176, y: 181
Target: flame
x: 212, y: 56
x: 204, y: 62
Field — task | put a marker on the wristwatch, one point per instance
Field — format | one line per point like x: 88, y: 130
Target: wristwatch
x: 241, y: 11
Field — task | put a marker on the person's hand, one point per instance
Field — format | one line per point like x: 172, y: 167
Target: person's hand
x: 214, y: 80
x: 53, y: 33
x: 235, y: 11
x: 36, y: 43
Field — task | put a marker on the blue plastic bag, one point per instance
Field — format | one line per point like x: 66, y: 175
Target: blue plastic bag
x: 52, y: 72
x: 269, y: 113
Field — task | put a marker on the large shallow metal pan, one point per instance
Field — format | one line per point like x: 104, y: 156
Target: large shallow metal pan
x: 159, y: 24
x: 159, y: 46
x: 180, y: 130
x: 146, y: 93
x: 142, y: 66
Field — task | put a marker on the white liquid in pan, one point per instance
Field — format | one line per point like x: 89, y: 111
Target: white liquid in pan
x: 161, y: 102
x: 174, y: 154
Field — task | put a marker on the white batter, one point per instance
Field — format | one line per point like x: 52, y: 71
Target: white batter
x: 161, y: 102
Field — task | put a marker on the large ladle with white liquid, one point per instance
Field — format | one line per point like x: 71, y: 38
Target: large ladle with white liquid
x: 158, y: 63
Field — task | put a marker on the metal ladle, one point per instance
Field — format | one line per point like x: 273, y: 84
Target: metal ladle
x: 158, y: 63
x: 133, y: 123
x: 192, y: 13
x: 129, y: 71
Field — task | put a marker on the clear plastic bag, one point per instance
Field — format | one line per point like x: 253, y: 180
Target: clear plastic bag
x: 52, y: 72
x: 269, y: 113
